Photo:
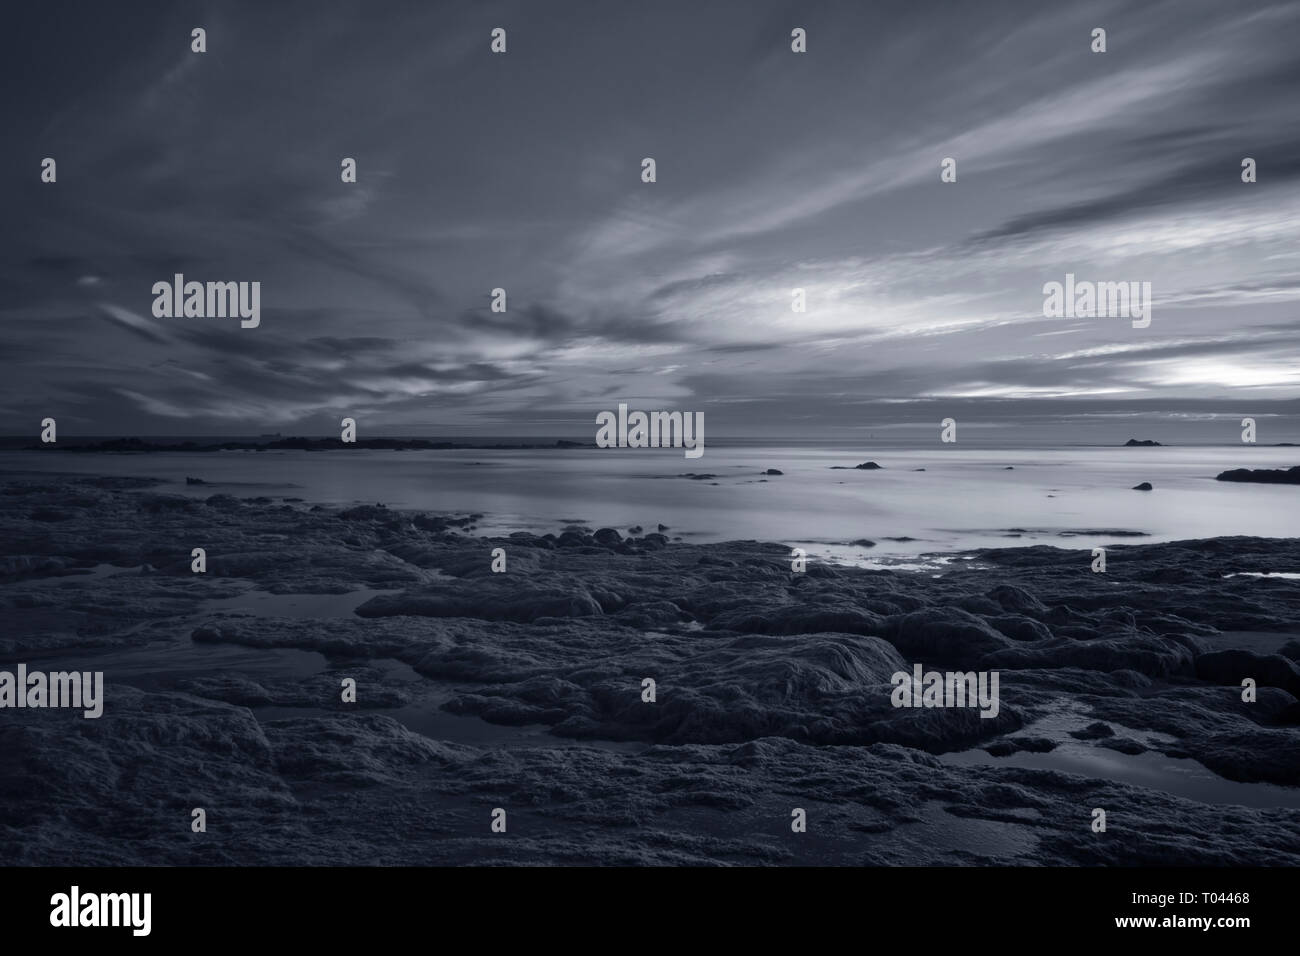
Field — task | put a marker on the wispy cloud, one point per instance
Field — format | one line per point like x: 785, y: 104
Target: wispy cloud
x: 775, y: 171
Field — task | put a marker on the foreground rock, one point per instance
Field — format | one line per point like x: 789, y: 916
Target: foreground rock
x: 773, y: 691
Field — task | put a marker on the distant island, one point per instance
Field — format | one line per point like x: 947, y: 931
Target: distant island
x: 1267, y: 476
x: 293, y: 444
x: 1145, y: 443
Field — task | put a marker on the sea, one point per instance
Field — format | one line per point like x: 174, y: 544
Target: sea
x: 923, y: 500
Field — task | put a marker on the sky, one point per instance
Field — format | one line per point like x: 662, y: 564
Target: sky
x: 775, y: 170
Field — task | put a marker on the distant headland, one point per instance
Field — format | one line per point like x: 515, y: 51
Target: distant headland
x: 119, y: 445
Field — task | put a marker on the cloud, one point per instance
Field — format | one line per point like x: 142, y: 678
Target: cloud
x: 139, y: 325
x: 777, y: 171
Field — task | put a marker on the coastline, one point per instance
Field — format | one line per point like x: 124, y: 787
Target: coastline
x: 773, y: 693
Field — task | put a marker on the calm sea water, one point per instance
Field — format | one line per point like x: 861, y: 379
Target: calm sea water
x: 964, y: 498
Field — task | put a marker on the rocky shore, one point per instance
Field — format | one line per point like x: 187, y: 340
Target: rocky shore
x: 524, y: 690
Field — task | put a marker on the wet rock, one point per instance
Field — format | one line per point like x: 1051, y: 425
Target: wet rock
x: 946, y: 635
x: 1234, y: 665
x: 487, y: 600
x: 800, y: 619
x: 1094, y: 731
x: 1012, y: 598
x: 1236, y: 755
x: 1125, y: 745
x: 1146, y: 654
x: 1020, y: 628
